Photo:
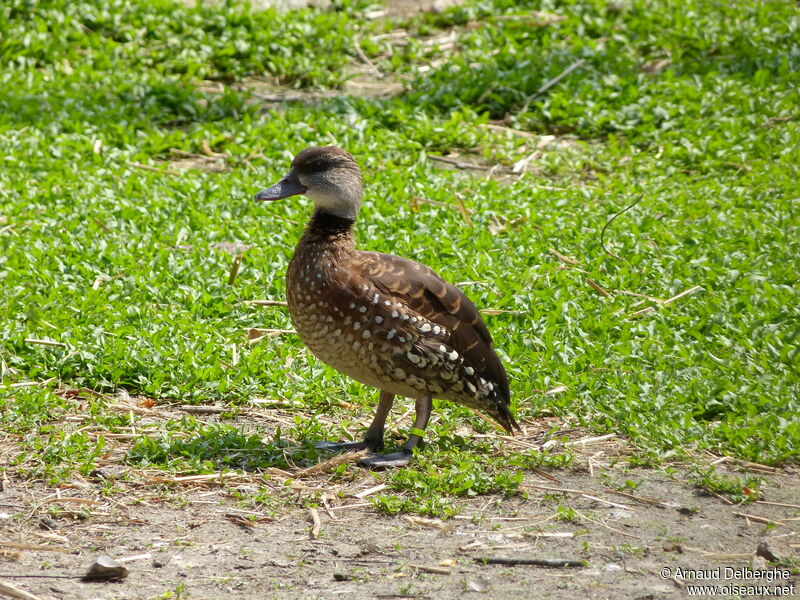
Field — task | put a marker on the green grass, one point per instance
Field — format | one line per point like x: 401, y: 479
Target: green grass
x: 121, y: 266
x: 737, y: 489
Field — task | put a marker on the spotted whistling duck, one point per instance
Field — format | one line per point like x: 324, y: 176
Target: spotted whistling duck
x: 386, y: 321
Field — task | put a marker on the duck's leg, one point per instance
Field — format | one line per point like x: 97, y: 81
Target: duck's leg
x: 423, y: 408
x: 373, y: 440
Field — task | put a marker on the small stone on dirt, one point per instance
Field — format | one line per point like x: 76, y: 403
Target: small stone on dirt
x: 759, y: 563
x: 105, y: 568
x: 769, y: 549
x: 673, y: 547
x: 480, y: 584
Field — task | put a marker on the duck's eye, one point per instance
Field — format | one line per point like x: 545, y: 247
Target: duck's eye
x: 318, y: 165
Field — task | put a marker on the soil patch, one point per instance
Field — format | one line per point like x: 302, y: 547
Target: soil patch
x: 194, y: 538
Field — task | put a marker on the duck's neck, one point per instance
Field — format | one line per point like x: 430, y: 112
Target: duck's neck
x: 327, y: 229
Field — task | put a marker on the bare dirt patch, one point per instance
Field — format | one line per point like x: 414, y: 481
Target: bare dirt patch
x: 195, y: 538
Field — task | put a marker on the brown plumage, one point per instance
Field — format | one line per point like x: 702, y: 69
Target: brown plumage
x: 386, y: 321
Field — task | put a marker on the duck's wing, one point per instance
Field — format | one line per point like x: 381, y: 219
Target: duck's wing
x: 422, y: 292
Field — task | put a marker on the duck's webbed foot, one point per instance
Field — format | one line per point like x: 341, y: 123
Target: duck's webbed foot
x: 349, y: 446
x: 383, y: 461
x: 402, y: 458
x: 373, y: 440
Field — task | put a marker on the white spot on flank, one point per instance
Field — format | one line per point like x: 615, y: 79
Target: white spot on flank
x: 453, y: 355
x: 352, y: 305
x: 357, y: 326
x: 442, y: 348
x: 391, y: 333
x: 401, y: 338
x: 471, y: 387
x: 367, y: 334
x: 387, y: 302
x: 362, y: 309
x: 412, y: 357
x: 436, y: 330
x: 375, y: 299
x: 395, y: 314
x: 414, y: 319
x: 319, y: 275
x: 379, y: 319
x: 425, y: 328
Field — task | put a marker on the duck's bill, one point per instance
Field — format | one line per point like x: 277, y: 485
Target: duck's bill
x: 288, y: 186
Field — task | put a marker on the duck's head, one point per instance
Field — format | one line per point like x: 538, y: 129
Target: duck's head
x: 326, y: 174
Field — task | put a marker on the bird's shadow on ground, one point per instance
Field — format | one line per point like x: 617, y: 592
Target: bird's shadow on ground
x: 225, y: 448
x: 216, y: 449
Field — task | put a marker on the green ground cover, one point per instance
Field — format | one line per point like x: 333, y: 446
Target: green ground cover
x: 689, y: 108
